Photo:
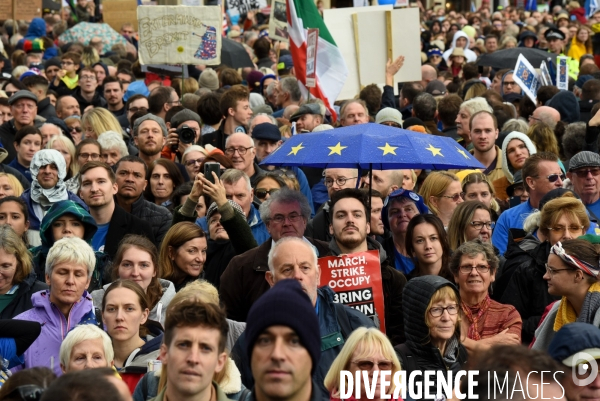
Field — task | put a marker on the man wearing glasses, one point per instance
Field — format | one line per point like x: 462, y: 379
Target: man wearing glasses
x: 86, y: 94
x: 541, y: 174
x: 584, y: 173
x: 239, y: 148
x: 23, y: 106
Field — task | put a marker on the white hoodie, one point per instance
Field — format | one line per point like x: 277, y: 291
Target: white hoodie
x: 469, y: 54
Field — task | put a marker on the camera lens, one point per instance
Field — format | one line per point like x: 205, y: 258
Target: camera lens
x: 186, y: 134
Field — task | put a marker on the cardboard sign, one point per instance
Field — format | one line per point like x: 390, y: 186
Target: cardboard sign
x: 356, y: 281
x: 312, y: 39
x: 237, y: 7
x: 179, y: 35
x: 278, y: 28
x: 26, y: 9
x: 116, y: 13
x: 527, y: 78
x: 562, y: 73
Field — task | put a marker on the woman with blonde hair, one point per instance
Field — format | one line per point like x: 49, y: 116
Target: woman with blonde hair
x: 441, y: 192
x: 228, y: 379
x: 366, y: 349
x: 66, y: 148
x: 543, y: 138
x: 10, y: 186
x: 183, y: 254
x: 97, y: 121
x: 477, y: 186
x: 90, y: 56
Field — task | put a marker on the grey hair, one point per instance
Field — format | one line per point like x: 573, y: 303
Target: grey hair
x: 475, y: 105
x: 248, y: 136
x: 573, y: 140
x: 472, y: 249
x: 271, y: 118
x: 193, y: 148
x: 285, y: 196
x: 54, y: 125
x: 274, y: 248
x: 113, y: 140
x: 515, y: 124
x: 80, y: 334
x: 271, y: 88
x: 71, y: 250
x: 290, y: 85
x: 231, y: 176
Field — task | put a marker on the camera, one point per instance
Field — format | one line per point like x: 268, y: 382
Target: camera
x: 186, y: 134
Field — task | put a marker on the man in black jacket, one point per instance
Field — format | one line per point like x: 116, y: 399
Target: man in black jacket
x: 350, y: 227
x: 97, y: 189
x: 131, y: 181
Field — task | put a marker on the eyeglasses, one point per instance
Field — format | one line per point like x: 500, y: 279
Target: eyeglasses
x: 262, y: 193
x: 509, y: 83
x: 242, y: 151
x: 366, y: 364
x: 341, y: 181
x: 66, y: 63
x: 27, y: 392
x: 191, y: 162
x: 87, y: 77
x: 584, y: 173
x: 534, y: 118
x: 76, y: 129
x: 439, y: 311
x: 455, y: 197
x: 136, y: 109
x: 552, y: 271
x: 480, y: 269
x: 555, y: 177
x: 88, y: 156
x: 280, y: 219
x: 573, y: 229
x: 478, y: 225
x: 174, y: 102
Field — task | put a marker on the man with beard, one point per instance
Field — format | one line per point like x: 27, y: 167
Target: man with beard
x: 484, y: 132
x: 350, y: 228
x: 131, y: 182
x: 98, y: 185
x: 295, y: 259
x: 149, y: 134
x: 113, y: 93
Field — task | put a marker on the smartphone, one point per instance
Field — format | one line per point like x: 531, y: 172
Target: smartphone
x: 209, y: 168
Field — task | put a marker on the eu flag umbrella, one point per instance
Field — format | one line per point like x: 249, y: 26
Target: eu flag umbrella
x: 372, y: 146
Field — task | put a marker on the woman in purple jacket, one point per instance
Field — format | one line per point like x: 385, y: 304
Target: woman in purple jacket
x: 69, y: 267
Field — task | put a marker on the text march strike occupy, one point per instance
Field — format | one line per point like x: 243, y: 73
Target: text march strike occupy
x: 356, y: 280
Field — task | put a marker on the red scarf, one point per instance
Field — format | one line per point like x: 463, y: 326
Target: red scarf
x: 473, y: 314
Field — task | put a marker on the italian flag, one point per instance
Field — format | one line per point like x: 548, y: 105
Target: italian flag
x: 331, y: 71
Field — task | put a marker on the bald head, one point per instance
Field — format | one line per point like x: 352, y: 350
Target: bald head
x: 545, y: 114
x: 291, y: 109
x: 428, y: 74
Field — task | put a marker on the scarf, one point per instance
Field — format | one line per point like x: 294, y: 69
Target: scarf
x: 566, y: 313
x: 46, y: 197
x: 473, y: 314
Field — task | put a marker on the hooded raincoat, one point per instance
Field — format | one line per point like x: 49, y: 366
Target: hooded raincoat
x: 470, y: 55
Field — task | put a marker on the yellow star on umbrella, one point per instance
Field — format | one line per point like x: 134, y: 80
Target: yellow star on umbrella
x: 388, y: 149
x: 296, y: 149
x: 337, y: 149
x: 462, y: 152
x: 434, y: 151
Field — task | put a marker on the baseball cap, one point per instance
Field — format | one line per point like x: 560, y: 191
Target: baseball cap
x: 573, y: 339
x: 402, y: 193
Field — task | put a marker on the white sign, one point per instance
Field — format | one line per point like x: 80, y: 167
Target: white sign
x: 312, y: 40
x: 527, y: 78
x: 237, y: 7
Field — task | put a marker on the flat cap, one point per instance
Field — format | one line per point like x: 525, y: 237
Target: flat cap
x: 22, y: 94
x: 308, y: 108
x: 584, y: 159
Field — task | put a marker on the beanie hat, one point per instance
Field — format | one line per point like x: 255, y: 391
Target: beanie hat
x: 55, y: 61
x: 209, y: 79
x: 274, y: 308
x: 184, y: 115
x: 254, y: 78
x: 567, y: 105
x: 152, y: 117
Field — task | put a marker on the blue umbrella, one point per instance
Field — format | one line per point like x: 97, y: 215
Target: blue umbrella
x: 372, y: 146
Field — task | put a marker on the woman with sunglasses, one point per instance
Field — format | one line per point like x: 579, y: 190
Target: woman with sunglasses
x: 572, y: 274
x: 441, y: 192
x: 486, y: 322
x: 471, y: 220
x: 268, y: 184
x: 561, y: 219
x: 12, y: 86
x: 366, y: 349
x: 74, y: 125
x: 432, y: 326
x: 192, y: 159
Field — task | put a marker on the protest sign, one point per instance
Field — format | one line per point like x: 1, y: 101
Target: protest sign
x: 527, y: 78
x: 278, y: 28
x: 356, y: 280
x: 341, y: 27
x: 116, y: 13
x: 562, y: 73
x: 179, y: 35
x: 545, y: 74
x: 386, y: 35
x: 25, y: 9
x: 312, y: 39
x: 237, y: 7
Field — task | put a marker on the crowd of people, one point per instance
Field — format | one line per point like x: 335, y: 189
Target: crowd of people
x: 147, y: 254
